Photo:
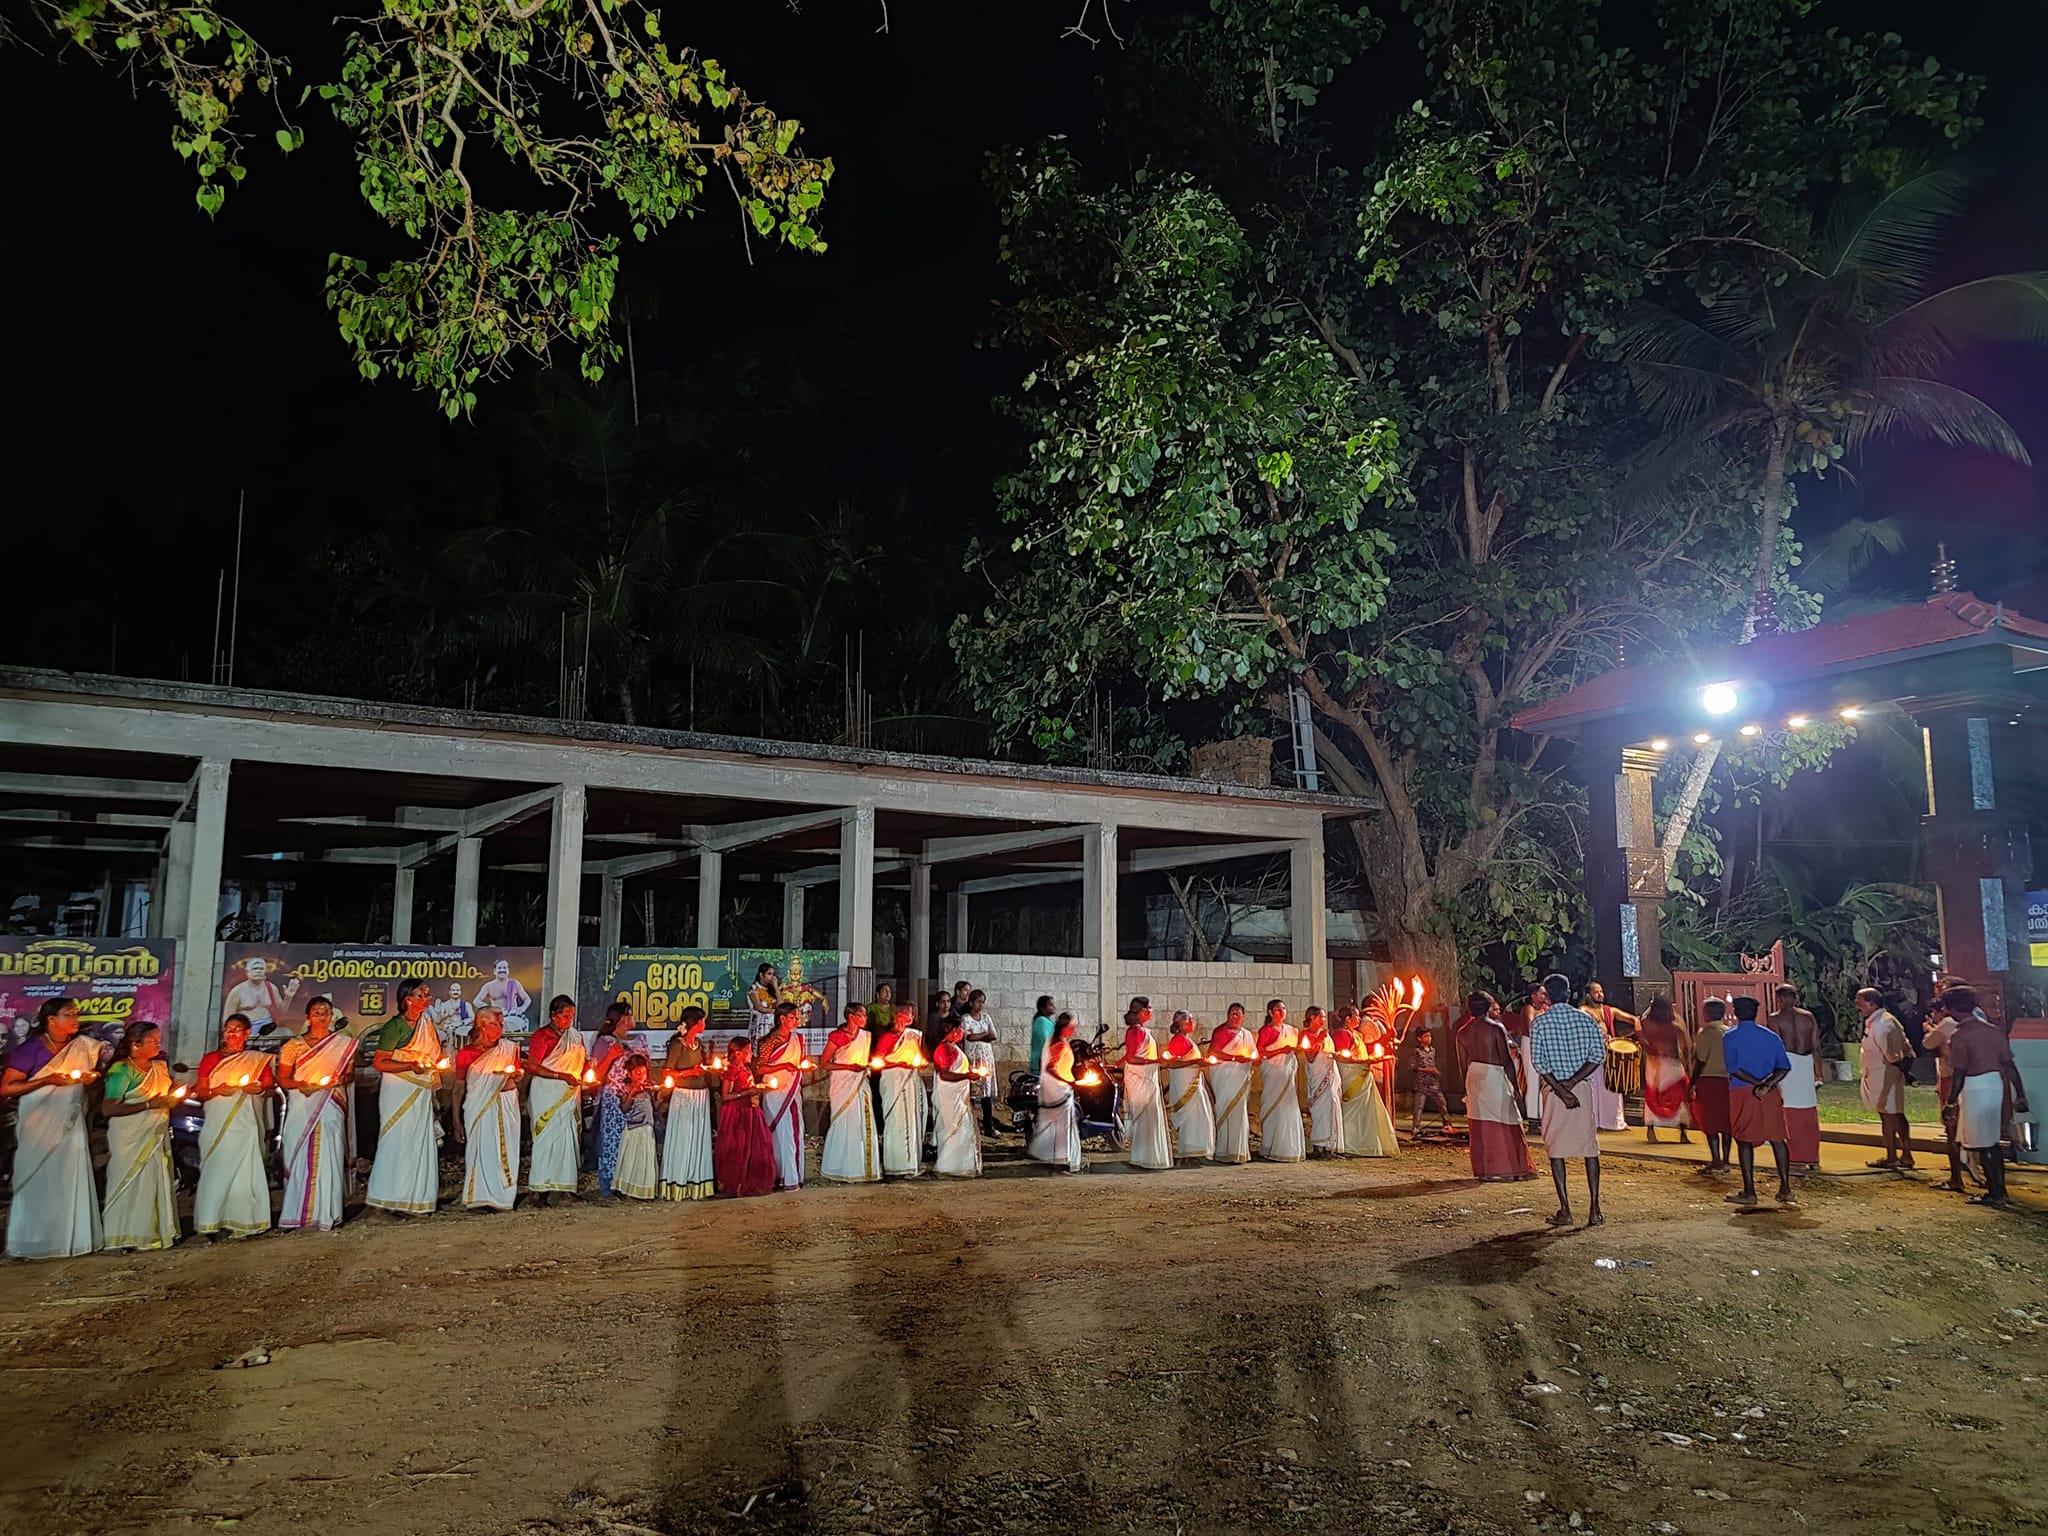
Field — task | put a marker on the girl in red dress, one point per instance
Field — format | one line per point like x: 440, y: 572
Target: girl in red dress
x: 742, y: 1156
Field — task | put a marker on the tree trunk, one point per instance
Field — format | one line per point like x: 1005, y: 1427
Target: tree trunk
x: 1418, y: 940
x: 1762, y: 617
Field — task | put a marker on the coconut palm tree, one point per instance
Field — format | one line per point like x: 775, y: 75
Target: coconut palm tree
x: 1806, y: 365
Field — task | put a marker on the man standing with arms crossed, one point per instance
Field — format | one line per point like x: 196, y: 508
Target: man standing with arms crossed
x: 1567, y: 1047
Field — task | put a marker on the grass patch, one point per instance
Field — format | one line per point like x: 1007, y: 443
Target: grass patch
x: 1842, y: 1104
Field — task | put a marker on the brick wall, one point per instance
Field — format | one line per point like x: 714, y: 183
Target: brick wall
x: 1014, y: 984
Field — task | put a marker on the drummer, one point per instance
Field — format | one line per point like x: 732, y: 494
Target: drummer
x: 1622, y: 1069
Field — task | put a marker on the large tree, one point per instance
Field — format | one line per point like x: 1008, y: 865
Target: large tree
x: 1355, y: 418
x: 509, y: 145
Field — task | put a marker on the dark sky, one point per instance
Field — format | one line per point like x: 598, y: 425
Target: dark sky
x: 158, y: 363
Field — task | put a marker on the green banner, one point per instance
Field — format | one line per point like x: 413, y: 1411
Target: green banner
x: 660, y: 983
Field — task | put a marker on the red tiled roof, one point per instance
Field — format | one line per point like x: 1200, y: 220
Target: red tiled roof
x: 1950, y: 620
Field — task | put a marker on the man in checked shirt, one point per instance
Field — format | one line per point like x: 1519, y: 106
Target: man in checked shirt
x: 1568, y: 1047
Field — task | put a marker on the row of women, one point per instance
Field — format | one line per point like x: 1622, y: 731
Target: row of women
x: 1186, y: 1102
x: 55, y: 1077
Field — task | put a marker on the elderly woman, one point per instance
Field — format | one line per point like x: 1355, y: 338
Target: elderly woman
x: 141, y: 1208
x: 54, y: 1214
x: 234, y: 1189
x: 318, y: 1073
x: 487, y: 1071
x: 555, y: 1056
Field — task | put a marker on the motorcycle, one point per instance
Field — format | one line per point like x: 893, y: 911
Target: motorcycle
x: 1099, y: 1105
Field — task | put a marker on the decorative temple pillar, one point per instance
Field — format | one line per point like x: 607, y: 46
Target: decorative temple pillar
x: 1978, y: 854
x: 1625, y: 876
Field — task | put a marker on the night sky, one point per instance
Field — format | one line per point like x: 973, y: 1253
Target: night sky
x: 160, y: 364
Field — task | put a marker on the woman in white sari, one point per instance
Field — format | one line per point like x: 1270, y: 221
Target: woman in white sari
x: 234, y: 1189
x: 1233, y: 1057
x: 1368, y: 1126
x: 1325, y: 1085
x: 853, y: 1151
x: 490, y: 1116
x: 779, y: 1065
x: 899, y: 1057
x: 406, y: 1177
x: 318, y: 1072
x: 1189, y: 1111
x: 54, y: 1214
x: 959, y: 1152
x: 555, y: 1058
x: 141, y: 1208
x: 1145, y: 1127
x: 687, y: 1075
x: 1280, y: 1138
x: 1056, y: 1132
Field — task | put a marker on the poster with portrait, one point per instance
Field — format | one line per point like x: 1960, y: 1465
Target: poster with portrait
x: 658, y: 984
x: 117, y: 982
x: 272, y: 983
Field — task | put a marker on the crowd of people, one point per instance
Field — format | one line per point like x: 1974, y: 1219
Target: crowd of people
x: 727, y: 1118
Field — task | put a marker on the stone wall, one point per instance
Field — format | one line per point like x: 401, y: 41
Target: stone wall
x: 1014, y: 984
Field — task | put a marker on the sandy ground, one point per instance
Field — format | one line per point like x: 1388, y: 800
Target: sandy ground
x: 1381, y: 1346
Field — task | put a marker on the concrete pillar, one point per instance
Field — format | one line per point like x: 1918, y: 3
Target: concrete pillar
x: 857, y: 897
x: 1978, y: 854
x: 1098, y: 919
x: 956, y: 923
x: 469, y: 868
x: 918, y: 971
x: 611, y: 911
x: 1308, y: 919
x: 401, y: 904
x: 564, y: 915
x: 1643, y: 972
x: 1614, y: 917
x: 197, y: 1002
x: 174, y: 876
x: 710, y: 876
x: 792, y: 915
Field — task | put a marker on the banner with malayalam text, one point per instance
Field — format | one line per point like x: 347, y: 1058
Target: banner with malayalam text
x: 659, y: 984
x: 272, y: 983
x: 116, y: 981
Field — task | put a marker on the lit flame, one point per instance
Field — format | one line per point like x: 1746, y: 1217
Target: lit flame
x: 668, y: 1079
x: 243, y: 1083
x: 1416, y: 1001
x: 325, y: 1082
x: 590, y: 1074
x: 178, y: 1092
x: 441, y: 1065
x: 1090, y: 1079
x: 77, y: 1075
x: 807, y: 1065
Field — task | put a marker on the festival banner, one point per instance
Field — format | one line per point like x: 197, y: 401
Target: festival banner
x: 274, y: 982
x: 660, y: 983
x: 116, y: 981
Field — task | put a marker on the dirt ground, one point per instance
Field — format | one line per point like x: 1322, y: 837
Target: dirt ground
x: 1338, y: 1347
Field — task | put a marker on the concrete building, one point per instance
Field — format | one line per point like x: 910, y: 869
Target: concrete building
x: 187, y: 787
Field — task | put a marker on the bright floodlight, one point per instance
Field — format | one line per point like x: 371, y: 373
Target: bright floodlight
x: 1752, y: 730
x: 1701, y: 738
x: 1719, y: 698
